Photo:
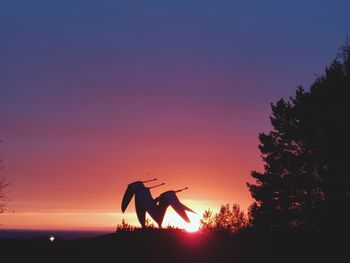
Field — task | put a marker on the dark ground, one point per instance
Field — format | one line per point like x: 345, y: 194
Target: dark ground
x: 179, y: 246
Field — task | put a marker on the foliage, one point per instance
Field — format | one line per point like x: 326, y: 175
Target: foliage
x: 306, y: 175
x: 226, y: 220
x: 124, y: 226
x: 3, y: 194
x: 170, y: 227
x: 149, y: 224
x: 207, y: 221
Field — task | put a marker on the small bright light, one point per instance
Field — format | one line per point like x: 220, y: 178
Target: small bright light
x: 51, y: 238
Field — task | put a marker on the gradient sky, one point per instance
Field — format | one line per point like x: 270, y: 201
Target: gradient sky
x: 96, y: 94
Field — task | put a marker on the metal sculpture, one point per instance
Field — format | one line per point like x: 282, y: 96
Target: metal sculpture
x: 169, y: 198
x: 157, y: 207
x: 143, y: 200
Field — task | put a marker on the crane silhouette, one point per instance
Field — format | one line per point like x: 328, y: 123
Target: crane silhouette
x: 157, y: 207
x: 144, y: 201
x: 167, y: 199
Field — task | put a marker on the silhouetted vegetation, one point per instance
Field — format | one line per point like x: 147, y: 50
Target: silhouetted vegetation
x: 306, y: 177
x: 3, y: 186
x: 149, y: 224
x: 166, y: 245
x: 226, y: 220
x: 3, y: 196
x: 124, y: 226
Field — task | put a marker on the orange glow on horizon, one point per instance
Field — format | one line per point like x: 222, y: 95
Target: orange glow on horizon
x: 193, y: 227
x: 88, y: 197
x: 172, y: 219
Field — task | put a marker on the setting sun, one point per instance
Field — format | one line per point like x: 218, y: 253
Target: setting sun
x: 192, y: 227
x: 174, y: 220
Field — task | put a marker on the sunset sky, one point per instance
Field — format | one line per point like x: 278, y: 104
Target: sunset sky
x: 97, y: 94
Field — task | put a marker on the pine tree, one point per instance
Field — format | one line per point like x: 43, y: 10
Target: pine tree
x: 306, y: 177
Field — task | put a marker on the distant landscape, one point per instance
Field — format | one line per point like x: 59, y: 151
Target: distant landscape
x: 66, y: 234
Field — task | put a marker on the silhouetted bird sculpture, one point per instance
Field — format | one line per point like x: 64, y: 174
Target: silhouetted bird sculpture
x: 169, y: 198
x: 143, y: 200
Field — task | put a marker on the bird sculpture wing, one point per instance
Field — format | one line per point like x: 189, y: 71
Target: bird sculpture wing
x: 140, y: 211
x: 188, y: 209
x: 162, y: 207
x: 147, y: 202
x: 178, y: 207
x: 129, y: 193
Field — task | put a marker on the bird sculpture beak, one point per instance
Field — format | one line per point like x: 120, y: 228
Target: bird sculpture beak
x: 154, y: 179
x: 181, y: 190
x: 155, y: 186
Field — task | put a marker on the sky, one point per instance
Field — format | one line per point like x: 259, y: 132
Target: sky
x: 98, y: 94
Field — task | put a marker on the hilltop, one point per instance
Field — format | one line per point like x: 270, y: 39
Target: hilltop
x: 171, y: 245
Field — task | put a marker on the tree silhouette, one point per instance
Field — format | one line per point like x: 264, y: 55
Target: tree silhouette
x: 207, y: 221
x: 306, y: 177
x: 226, y: 220
x: 3, y: 186
x: 3, y: 197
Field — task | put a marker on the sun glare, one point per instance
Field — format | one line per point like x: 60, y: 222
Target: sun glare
x: 192, y: 227
x: 174, y: 220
